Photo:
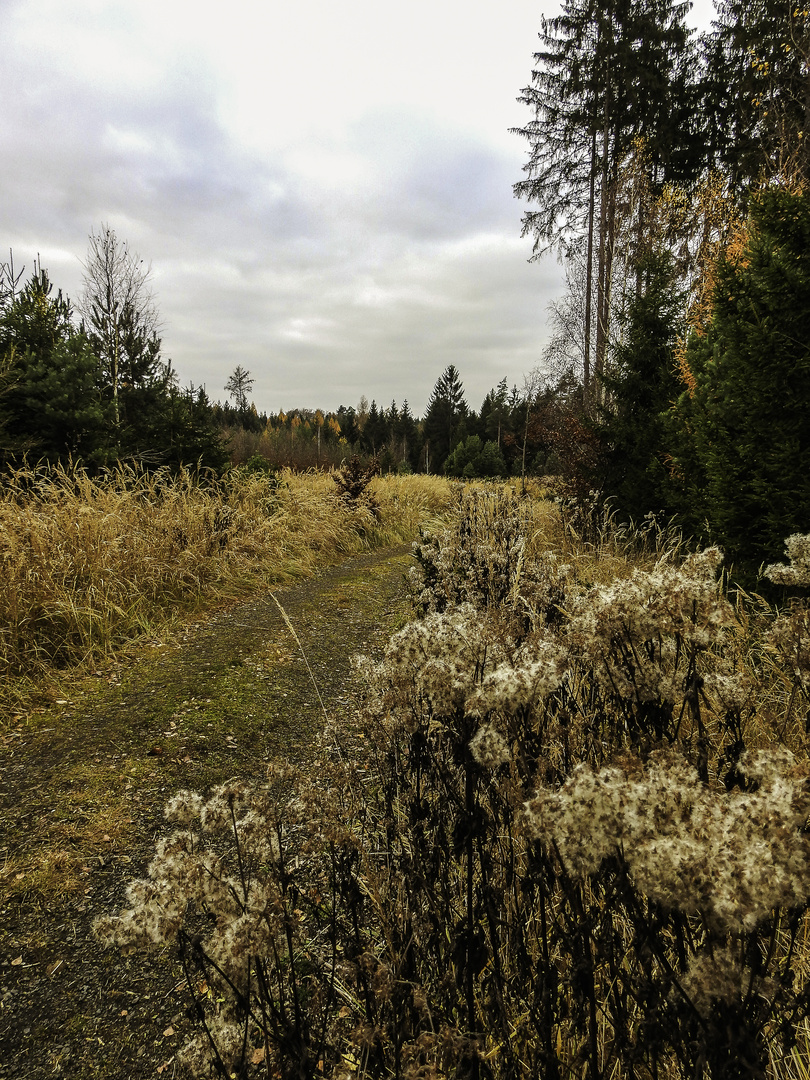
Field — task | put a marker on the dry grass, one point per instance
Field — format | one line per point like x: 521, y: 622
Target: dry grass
x: 88, y: 565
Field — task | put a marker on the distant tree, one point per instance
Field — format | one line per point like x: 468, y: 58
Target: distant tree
x: 238, y: 386
x: 375, y: 431
x: 475, y: 458
x: 494, y: 416
x: 446, y: 409
x: 347, y: 418
x: 406, y: 436
x: 191, y: 435
x: 523, y: 413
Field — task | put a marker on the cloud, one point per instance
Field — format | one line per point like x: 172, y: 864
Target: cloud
x: 334, y: 245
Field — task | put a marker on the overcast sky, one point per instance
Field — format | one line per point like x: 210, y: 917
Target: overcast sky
x: 322, y: 187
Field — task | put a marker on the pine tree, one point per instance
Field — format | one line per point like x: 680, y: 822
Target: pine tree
x: 52, y: 404
x: 190, y: 435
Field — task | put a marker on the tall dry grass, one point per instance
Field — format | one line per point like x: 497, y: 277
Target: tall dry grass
x: 88, y: 564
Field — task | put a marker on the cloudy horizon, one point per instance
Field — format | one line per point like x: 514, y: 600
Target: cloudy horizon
x: 324, y: 192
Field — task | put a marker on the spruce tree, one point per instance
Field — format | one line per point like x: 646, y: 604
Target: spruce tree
x: 757, y: 103
x: 446, y: 410
x: 607, y: 76
x: 642, y: 387
x: 745, y: 435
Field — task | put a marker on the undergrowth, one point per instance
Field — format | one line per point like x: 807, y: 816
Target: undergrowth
x: 574, y: 845
x: 87, y: 565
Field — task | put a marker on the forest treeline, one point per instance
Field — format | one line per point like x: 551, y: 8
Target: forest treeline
x: 668, y: 170
x: 87, y: 385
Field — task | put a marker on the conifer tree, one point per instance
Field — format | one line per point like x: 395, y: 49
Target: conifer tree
x: 744, y: 448
x: 757, y: 98
x: 53, y: 406
x: 446, y: 409
x: 642, y: 387
x: 406, y: 436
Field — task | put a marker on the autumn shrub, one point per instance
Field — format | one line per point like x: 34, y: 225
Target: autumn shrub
x: 563, y: 844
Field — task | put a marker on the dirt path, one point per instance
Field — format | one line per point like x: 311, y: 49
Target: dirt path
x: 82, y: 787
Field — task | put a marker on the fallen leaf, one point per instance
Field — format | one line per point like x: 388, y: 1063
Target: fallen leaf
x: 169, y: 1031
x: 17, y: 962
x: 257, y: 1056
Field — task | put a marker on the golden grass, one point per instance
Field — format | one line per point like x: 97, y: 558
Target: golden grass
x: 90, y: 564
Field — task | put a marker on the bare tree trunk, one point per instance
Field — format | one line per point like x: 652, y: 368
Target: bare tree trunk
x: 601, y: 270
x: 586, y: 373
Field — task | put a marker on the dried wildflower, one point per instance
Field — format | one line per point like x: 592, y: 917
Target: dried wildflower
x: 489, y: 747
x: 480, y: 559
x: 798, y: 572
x: 790, y: 636
x: 731, y: 857
x: 713, y: 976
x: 440, y: 659
x: 513, y: 686
x: 639, y: 633
x: 184, y: 807
x: 731, y: 691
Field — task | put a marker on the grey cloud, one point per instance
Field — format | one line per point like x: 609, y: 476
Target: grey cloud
x: 324, y: 289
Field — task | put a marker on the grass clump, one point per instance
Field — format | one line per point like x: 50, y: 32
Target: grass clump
x: 91, y: 563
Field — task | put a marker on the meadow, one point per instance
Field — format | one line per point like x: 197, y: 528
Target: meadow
x: 568, y: 837
x: 92, y: 566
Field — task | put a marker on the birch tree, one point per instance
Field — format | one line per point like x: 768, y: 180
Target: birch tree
x: 120, y: 316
